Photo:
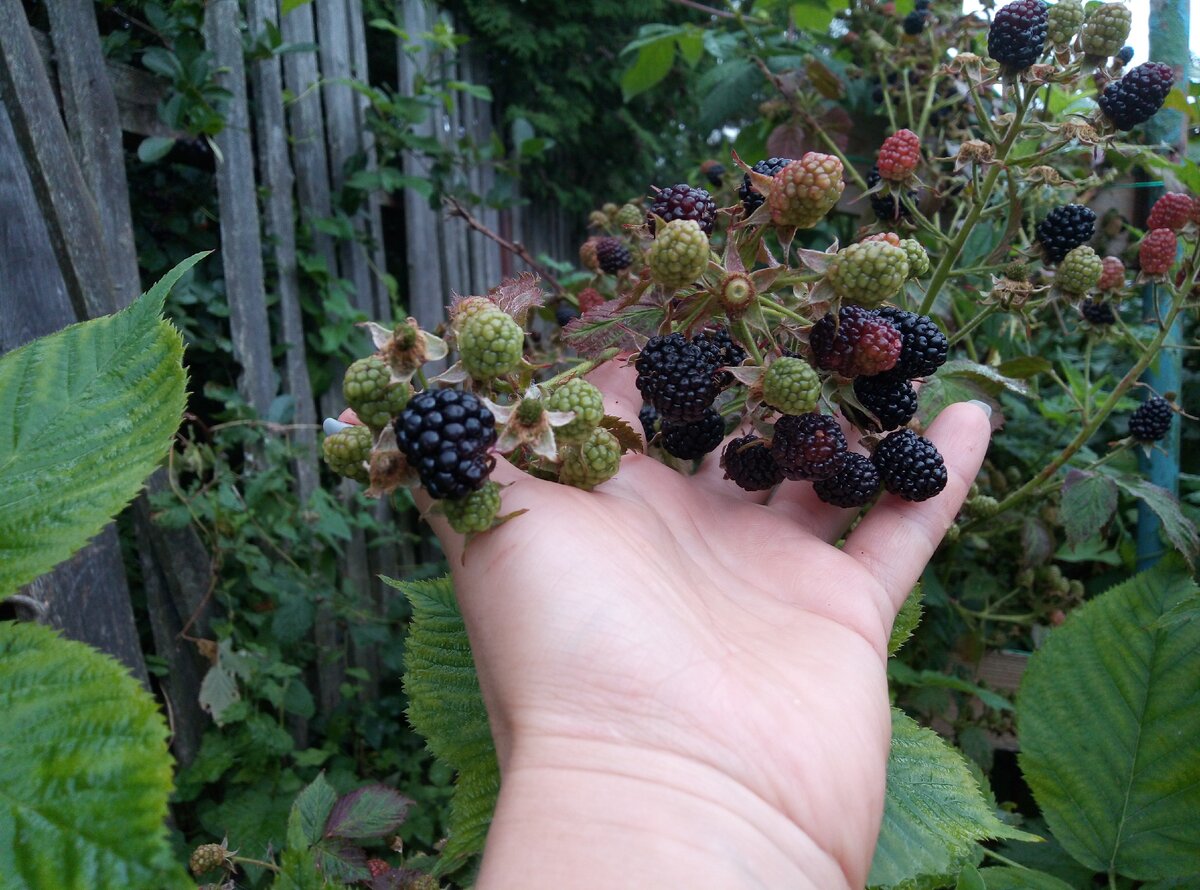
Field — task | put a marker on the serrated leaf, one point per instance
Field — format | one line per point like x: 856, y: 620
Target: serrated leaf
x: 969, y: 879
x: 306, y: 820
x: 933, y: 813
x: 906, y: 621
x: 1020, y: 879
x: 1025, y: 366
x: 939, y: 393
x: 1107, y: 712
x: 86, y: 414
x: 218, y: 692
x: 84, y: 769
x: 1088, y: 503
x: 1180, y: 530
x: 627, y: 437
x: 370, y: 811
x: 446, y: 708
x: 653, y: 63
x: 902, y: 673
x: 989, y: 377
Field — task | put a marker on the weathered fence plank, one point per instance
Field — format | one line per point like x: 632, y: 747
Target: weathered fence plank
x: 241, y: 243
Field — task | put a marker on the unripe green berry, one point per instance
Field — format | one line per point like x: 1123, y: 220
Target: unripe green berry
x: 369, y: 390
x: 918, y: 259
x: 869, y: 272
x: 585, y: 400
x: 491, y: 344
x: 1079, y: 271
x: 791, y: 385
x: 1063, y: 21
x: 679, y: 254
x: 629, y: 215
x: 347, y: 452
x: 476, y: 511
x: 595, y: 460
x: 1106, y: 29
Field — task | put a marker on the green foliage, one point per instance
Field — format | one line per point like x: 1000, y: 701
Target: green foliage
x: 446, y: 707
x: 934, y: 812
x: 84, y: 768
x: 1020, y: 879
x: 906, y: 621
x: 1103, y: 711
x: 85, y: 415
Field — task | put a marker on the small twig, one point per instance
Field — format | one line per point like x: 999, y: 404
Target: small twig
x: 692, y: 4
x: 455, y: 208
x: 36, y: 606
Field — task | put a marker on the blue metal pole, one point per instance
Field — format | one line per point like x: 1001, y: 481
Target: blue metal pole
x: 1169, y: 23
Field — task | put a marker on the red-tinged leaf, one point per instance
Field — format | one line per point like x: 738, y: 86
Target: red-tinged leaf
x: 340, y: 860
x: 823, y: 79
x: 370, y: 811
x: 787, y: 141
x: 608, y: 325
x: 517, y: 296
x: 1037, y: 544
x: 627, y: 437
x: 816, y: 260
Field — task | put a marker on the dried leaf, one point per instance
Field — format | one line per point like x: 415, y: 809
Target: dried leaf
x: 517, y: 296
x: 627, y: 436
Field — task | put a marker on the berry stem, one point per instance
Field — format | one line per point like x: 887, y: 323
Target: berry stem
x: 747, y: 338
x: 583, y: 367
x: 246, y: 860
x: 980, y: 318
x: 887, y: 99
x: 768, y: 306
x: 950, y: 256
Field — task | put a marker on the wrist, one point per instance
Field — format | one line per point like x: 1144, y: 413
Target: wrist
x: 588, y: 813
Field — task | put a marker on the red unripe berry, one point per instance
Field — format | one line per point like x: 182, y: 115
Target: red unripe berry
x: 1171, y: 211
x: 1157, y: 252
x: 589, y: 299
x: 1112, y: 277
x: 899, y: 156
x: 888, y: 237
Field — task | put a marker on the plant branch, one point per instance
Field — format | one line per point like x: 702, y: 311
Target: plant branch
x: 455, y: 208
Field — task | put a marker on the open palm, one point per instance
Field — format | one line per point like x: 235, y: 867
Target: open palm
x: 699, y: 641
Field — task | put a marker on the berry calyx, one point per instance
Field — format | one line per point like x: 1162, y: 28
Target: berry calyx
x: 1064, y: 228
x: 683, y: 201
x: 490, y: 344
x: 475, y: 512
x: 808, y: 446
x: 1152, y: 420
x: 910, y: 466
x: 852, y: 486
x: 791, y: 386
x: 855, y: 342
x: 1079, y: 271
x: 805, y: 190
x: 446, y: 434
x: 593, y: 461
x: 369, y: 390
x: 585, y: 400
x: 1018, y: 34
x: 689, y: 441
x: 899, y: 156
x: 1136, y: 97
x: 869, y: 272
x: 748, y: 461
x: 737, y: 294
x: 679, y: 254
x: 347, y: 452
x: 1156, y: 253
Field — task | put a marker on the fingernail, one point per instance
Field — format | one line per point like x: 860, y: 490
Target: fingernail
x: 982, y: 406
x: 332, y: 426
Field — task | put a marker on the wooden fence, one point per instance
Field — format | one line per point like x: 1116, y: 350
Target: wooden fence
x: 66, y: 245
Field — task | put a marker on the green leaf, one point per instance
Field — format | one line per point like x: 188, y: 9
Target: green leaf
x: 446, y: 707
x: 306, y: 821
x: 691, y: 47
x: 1020, y: 879
x: 906, y: 621
x: 1088, y: 503
x: 902, y: 673
x: 1107, y: 712
x: 1180, y: 530
x: 287, y: 6
x: 812, y: 16
x: 1025, y: 366
x: 969, y: 879
x: 370, y: 811
x: 154, y: 148
x: 86, y: 414
x: 986, y: 375
x: 934, y: 812
x: 653, y: 63
x: 84, y: 769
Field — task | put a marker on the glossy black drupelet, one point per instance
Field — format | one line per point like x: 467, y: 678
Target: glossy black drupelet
x: 648, y: 416
x: 565, y: 313
x: 613, y: 255
x: 910, y: 466
x: 749, y: 463
x: 851, y: 486
x: 1125, y: 56
x: 1018, y: 34
x: 1136, y: 97
x: 677, y: 378
x: 1098, y: 313
x: 808, y: 446
x: 1065, y: 228
x: 1151, y: 421
x: 751, y: 197
x: 720, y: 350
x: 892, y: 399
x: 689, y: 441
x: 923, y: 346
x: 446, y: 434
x: 886, y: 206
x: 683, y: 201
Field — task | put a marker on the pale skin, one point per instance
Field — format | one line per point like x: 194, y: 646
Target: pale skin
x: 687, y: 682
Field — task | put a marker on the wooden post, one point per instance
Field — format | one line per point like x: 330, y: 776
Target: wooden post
x: 241, y: 244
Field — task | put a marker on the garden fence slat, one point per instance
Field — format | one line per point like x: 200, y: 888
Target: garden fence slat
x: 241, y: 243
x: 276, y: 171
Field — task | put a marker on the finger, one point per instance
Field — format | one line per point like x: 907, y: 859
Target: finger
x: 896, y: 538
x: 617, y: 380
x: 711, y: 474
x: 800, y: 503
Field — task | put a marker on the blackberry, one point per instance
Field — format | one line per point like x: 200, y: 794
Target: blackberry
x: 855, y: 342
x: 612, y: 255
x: 1136, y: 97
x: 446, y: 434
x: 683, y: 201
x: 565, y: 313
x: 719, y: 350
x: 648, y: 416
x: 851, y: 486
x: 677, y: 378
x: 1065, y: 228
x: 689, y: 441
x: 914, y: 22
x: 752, y: 199
x: 1151, y: 420
x: 808, y: 446
x: 891, y: 399
x: 1018, y: 34
x: 887, y: 207
x: 749, y: 463
x: 1125, y: 55
x: 1097, y: 313
x: 923, y: 346
x: 714, y: 172
x: 910, y: 466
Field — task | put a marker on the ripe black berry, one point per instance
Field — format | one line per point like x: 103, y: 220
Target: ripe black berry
x: 612, y: 255
x: 1125, y: 56
x: 923, y: 346
x: 752, y: 199
x: 445, y: 434
x: 914, y: 22
x: 808, y: 446
x: 719, y: 350
x: 851, y: 486
x: 1097, y: 313
x: 683, y: 201
x: 564, y: 313
x: 648, y: 416
x: 891, y: 399
x: 886, y: 206
x: 689, y: 441
x: 910, y: 466
x: 1151, y: 420
x: 1136, y: 97
x: 1065, y: 228
x: 677, y: 378
x: 749, y: 463
x: 1018, y: 34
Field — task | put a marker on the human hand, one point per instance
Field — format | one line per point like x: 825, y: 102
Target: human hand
x: 687, y: 683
